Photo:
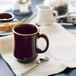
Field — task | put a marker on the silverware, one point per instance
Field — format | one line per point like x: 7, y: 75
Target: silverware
x: 40, y: 60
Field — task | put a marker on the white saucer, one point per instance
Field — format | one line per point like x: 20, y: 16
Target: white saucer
x: 4, y: 33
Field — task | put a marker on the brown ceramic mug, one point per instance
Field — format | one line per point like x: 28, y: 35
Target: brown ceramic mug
x: 25, y: 42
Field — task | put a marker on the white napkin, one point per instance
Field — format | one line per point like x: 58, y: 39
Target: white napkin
x: 50, y: 67
x: 63, y: 45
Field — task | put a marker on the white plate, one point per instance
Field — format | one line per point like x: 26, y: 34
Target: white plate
x: 3, y: 33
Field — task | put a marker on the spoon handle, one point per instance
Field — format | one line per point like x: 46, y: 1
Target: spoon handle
x: 24, y: 73
x: 43, y: 59
x: 30, y: 69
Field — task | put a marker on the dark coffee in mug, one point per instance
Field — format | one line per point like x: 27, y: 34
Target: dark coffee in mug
x: 25, y: 29
x: 25, y: 42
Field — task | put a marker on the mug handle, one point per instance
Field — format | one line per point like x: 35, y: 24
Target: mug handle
x: 55, y: 13
x: 47, y: 43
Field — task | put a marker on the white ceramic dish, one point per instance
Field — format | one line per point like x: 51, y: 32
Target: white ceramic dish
x: 4, y: 33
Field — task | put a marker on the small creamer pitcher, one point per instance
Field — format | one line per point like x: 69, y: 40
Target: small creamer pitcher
x: 45, y: 15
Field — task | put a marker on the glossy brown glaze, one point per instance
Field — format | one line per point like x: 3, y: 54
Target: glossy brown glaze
x: 25, y: 37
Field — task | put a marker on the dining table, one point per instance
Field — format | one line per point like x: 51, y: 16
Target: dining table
x: 61, y: 51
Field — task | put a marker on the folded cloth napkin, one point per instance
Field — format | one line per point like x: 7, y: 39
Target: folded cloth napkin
x: 58, y: 37
x: 44, y: 69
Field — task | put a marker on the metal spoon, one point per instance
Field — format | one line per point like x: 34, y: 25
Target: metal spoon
x: 40, y: 60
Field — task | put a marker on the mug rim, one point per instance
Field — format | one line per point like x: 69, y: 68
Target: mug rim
x: 13, y: 30
x: 44, y: 7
